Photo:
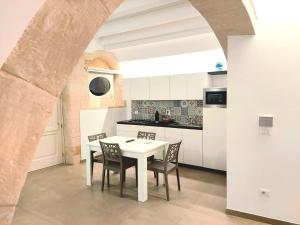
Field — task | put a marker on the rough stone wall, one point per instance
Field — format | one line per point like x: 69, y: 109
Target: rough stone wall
x: 32, y: 78
x: 75, y: 97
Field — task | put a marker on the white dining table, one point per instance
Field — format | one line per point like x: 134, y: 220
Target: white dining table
x: 140, y: 149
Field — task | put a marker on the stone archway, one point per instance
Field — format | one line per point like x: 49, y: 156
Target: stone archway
x: 36, y: 71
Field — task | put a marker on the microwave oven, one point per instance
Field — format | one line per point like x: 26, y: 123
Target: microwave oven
x: 215, y: 97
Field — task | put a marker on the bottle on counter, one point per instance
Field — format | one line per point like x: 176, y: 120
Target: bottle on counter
x: 156, y: 116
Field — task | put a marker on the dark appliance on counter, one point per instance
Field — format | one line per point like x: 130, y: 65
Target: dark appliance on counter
x: 156, y: 117
x: 215, y: 97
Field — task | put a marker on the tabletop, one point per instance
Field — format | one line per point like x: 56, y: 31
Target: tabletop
x: 137, y: 145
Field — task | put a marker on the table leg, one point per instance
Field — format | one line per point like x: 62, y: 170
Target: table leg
x: 88, y: 166
x: 142, y: 179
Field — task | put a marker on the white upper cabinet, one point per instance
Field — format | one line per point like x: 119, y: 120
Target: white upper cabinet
x: 159, y: 88
x: 178, y: 87
x: 139, y: 88
x: 195, y: 85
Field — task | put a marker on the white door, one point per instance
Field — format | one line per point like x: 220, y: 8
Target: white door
x: 49, y: 151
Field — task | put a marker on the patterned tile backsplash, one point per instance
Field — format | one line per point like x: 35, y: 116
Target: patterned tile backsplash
x: 188, y: 112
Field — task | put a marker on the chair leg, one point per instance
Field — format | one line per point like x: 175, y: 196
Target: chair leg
x: 108, y: 180
x: 178, y: 180
x: 121, y: 183
x: 103, y: 178
x: 167, y: 185
x: 136, y: 175
x: 157, y: 178
x: 154, y: 174
x: 92, y: 163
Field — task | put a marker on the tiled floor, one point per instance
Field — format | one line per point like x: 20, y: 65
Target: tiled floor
x: 58, y: 195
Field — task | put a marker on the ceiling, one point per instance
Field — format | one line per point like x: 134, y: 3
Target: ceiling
x: 140, y: 22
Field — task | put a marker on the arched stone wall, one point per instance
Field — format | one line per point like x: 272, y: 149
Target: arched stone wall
x: 229, y: 17
x: 75, y: 97
x: 98, y: 58
x: 34, y: 74
x: 32, y: 78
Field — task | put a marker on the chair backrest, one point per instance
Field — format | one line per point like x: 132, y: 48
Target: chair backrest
x: 172, y: 153
x: 111, y: 152
x: 146, y: 135
x: 97, y: 137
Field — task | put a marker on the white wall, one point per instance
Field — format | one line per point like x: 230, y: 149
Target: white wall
x: 264, y: 78
x: 96, y: 121
x: 176, y: 64
x: 14, y: 17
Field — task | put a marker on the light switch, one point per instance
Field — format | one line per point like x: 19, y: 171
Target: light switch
x: 265, y: 121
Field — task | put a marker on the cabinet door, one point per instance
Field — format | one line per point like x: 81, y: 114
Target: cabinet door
x: 192, y: 147
x: 178, y: 87
x: 214, y: 138
x: 174, y: 135
x: 159, y: 88
x: 128, y: 130
x: 195, y: 84
x: 160, y: 136
x: 139, y: 89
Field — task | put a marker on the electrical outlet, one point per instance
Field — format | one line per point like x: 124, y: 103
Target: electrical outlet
x: 265, y: 192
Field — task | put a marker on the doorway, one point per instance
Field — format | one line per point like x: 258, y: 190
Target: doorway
x: 50, y: 148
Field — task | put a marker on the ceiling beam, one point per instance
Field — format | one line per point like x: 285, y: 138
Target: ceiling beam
x: 165, y: 14
x: 167, y: 31
x: 145, y: 9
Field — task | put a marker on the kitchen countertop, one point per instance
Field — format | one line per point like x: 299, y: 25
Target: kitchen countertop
x: 160, y: 124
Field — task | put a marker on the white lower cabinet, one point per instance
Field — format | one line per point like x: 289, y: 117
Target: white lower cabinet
x: 128, y: 130
x: 174, y: 135
x: 192, y: 147
x: 195, y: 149
x: 160, y: 136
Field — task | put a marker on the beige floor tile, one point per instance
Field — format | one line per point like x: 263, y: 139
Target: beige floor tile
x: 59, y: 196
